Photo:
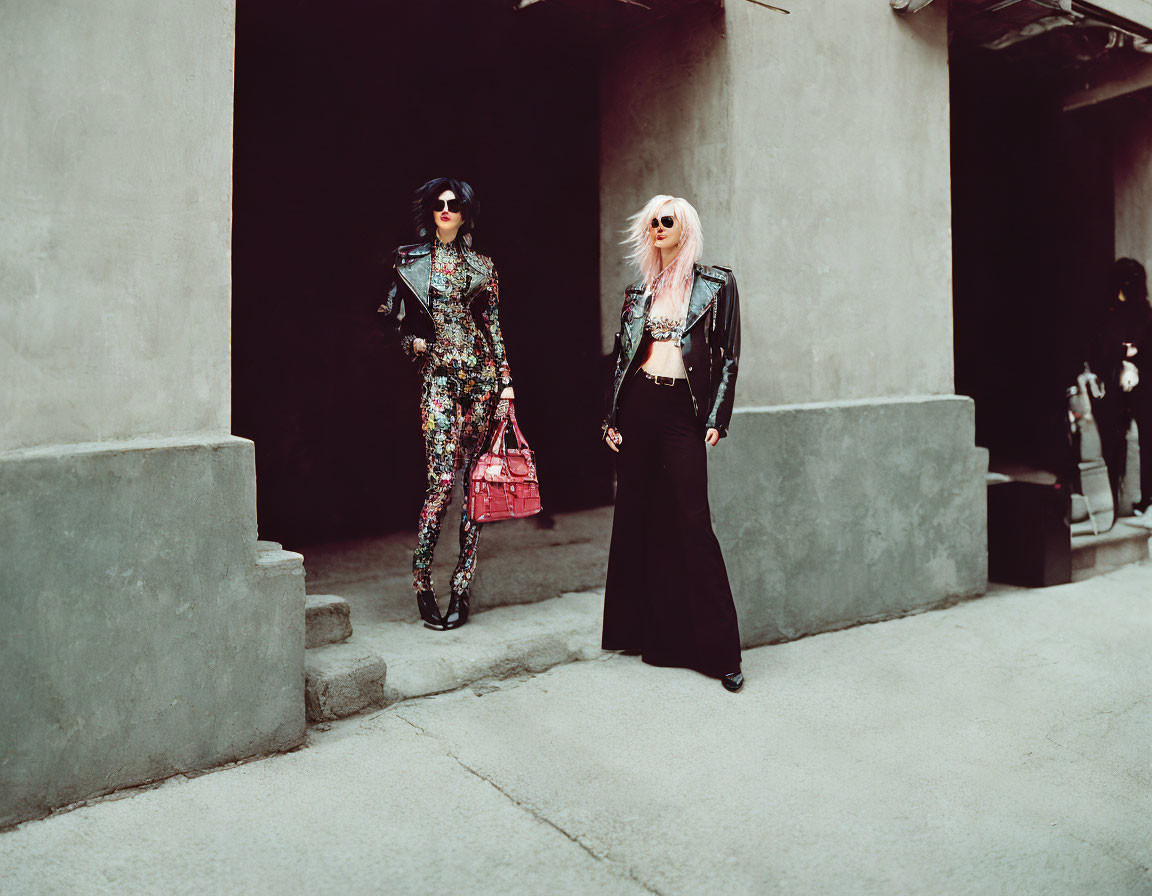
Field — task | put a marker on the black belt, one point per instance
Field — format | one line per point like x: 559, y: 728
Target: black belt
x: 662, y: 380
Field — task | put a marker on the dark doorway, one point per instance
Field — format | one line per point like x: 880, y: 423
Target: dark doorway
x: 342, y: 110
x: 1033, y: 238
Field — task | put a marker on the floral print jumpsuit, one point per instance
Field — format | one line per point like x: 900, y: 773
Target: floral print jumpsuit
x: 463, y: 375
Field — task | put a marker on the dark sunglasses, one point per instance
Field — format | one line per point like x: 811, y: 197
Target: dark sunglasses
x: 668, y: 221
x: 452, y: 205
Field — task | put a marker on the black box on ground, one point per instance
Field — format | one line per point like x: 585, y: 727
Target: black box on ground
x: 1029, y: 537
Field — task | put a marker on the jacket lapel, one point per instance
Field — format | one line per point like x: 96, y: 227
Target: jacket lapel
x: 636, y: 312
x: 703, y: 295
x: 416, y: 271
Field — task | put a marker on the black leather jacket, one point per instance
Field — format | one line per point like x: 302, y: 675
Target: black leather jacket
x: 406, y: 313
x: 711, y: 345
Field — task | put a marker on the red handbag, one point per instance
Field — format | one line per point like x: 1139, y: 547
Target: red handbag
x: 503, y: 483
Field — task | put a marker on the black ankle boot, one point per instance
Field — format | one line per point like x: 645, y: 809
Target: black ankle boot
x: 733, y: 681
x: 429, y: 610
x: 458, y: 608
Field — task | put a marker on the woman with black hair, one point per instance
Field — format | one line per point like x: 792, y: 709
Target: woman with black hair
x: 444, y: 305
x: 1122, y: 361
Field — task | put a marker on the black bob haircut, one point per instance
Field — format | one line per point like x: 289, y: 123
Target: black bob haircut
x: 1128, y: 277
x: 427, y: 194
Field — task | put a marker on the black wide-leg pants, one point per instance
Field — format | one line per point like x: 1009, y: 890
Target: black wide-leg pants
x: 667, y: 593
x: 1113, y: 414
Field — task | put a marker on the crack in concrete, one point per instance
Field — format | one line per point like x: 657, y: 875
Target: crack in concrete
x: 616, y: 867
x: 1072, y: 724
x: 1104, y: 851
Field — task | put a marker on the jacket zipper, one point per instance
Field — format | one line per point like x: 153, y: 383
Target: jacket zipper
x: 695, y: 406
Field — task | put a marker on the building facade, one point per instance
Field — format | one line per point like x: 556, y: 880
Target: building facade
x: 144, y: 628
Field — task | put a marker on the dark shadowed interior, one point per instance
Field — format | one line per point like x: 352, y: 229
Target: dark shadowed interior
x: 342, y: 110
x: 1033, y: 242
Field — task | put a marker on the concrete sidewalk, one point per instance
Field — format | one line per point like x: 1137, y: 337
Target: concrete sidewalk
x: 1000, y: 746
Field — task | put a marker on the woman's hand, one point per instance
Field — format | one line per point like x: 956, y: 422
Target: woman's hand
x: 613, y: 439
x: 1129, y: 377
x: 419, y: 346
x: 712, y: 436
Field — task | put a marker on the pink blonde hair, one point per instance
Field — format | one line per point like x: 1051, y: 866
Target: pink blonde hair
x: 676, y: 281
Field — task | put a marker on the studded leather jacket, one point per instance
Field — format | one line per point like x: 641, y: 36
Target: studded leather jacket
x: 406, y: 310
x: 710, y: 345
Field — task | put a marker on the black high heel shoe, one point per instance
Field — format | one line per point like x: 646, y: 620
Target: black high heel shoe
x: 458, y: 608
x: 429, y: 610
x: 733, y: 681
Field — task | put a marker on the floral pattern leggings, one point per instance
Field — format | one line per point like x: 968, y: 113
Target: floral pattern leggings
x: 456, y: 409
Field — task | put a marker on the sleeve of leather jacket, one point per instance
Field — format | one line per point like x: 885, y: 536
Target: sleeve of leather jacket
x: 391, y: 316
x: 728, y: 344
x: 491, y: 315
x: 616, y: 352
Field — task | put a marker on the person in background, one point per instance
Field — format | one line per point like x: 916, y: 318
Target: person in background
x: 1121, y: 358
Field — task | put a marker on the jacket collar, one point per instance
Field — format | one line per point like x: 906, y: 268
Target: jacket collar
x: 414, y: 265
x: 704, y: 290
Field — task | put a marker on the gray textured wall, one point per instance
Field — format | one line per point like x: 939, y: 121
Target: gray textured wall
x: 139, y: 634
x: 836, y: 513
x: 115, y: 219
x: 816, y: 149
x: 142, y: 632
x: 1133, y: 189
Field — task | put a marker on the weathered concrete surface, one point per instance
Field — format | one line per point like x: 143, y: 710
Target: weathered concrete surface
x: 141, y: 633
x: 115, y: 220
x: 521, y: 561
x: 327, y: 620
x: 1132, y: 178
x: 838, y: 513
x: 816, y: 149
x: 343, y: 679
x: 1126, y: 542
x: 1000, y: 746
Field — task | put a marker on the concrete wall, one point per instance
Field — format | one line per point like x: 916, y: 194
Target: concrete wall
x: 140, y: 634
x: 142, y: 630
x: 1133, y: 189
x: 817, y: 538
x: 115, y: 219
x: 816, y: 149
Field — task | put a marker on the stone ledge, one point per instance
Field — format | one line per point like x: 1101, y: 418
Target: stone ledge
x: 346, y: 678
x: 327, y: 620
x: 1094, y: 555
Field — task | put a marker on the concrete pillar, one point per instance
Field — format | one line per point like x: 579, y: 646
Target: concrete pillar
x: 816, y: 149
x: 143, y: 632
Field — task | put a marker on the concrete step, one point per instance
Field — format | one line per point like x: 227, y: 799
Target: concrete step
x: 385, y: 663
x: 327, y: 620
x: 1125, y: 543
x: 273, y: 560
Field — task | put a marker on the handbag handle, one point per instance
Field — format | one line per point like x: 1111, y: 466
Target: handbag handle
x: 521, y: 442
x: 498, y: 436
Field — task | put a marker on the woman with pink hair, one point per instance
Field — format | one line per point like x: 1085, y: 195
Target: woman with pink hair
x: 667, y: 595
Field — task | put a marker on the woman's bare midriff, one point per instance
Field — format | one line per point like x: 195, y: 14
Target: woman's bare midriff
x: 665, y: 359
